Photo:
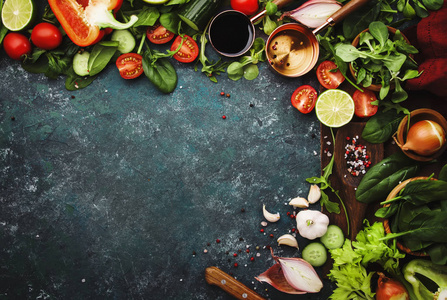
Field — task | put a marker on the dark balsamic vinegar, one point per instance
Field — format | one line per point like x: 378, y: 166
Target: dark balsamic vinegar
x: 231, y: 33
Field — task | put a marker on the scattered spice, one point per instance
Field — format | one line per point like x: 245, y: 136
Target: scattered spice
x: 13, y: 118
x: 236, y: 265
x: 224, y: 117
x: 218, y: 241
x: 357, y: 161
x: 228, y: 95
x: 222, y: 93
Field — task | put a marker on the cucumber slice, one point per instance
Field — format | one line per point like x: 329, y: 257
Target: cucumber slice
x: 80, y: 63
x: 125, y: 39
x: 333, y: 238
x: 315, y: 254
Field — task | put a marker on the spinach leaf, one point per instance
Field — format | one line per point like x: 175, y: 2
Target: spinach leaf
x: 443, y: 173
x: 381, y: 127
x: 170, y: 21
x: 75, y: 82
x: 424, y: 191
x: 160, y: 72
x: 147, y: 16
x: 438, y: 253
x: 433, y: 4
x: 384, y: 176
x: 100, y: 56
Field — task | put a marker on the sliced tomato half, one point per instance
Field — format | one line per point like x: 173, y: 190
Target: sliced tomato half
x: 362, y: 102
x: 130, y: 65
x: 328, y: 75
x: 304, y: 98
x: 189, y: 50
x: 158, y: 34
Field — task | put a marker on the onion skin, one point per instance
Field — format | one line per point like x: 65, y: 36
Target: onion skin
x: 313, y: 13
x: 425, y: 138
x: 390, y: 289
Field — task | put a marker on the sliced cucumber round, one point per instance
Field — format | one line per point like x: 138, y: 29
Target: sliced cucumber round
x: 125, y: 39
x: 80, y: 63
x: 333, y: 238
x: 315, y: 254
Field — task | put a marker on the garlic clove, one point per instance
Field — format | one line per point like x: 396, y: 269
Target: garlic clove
x: 269, y: 216
x: 289, y: 240
x: 299, y: 202
x: 314, y: 194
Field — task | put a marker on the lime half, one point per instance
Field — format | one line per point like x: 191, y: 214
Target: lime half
x: 334, y: 108
x: 17, y: 14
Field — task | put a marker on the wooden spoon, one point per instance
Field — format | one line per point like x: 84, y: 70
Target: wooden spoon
x: 216, y: 276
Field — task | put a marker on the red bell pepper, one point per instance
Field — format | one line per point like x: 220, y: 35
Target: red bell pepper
x: 82, y: 20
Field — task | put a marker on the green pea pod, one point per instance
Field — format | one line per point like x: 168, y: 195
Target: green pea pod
x: 384, y: 176
x: 160, y: 72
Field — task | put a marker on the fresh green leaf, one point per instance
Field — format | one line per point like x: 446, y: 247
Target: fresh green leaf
x: 170, y: 21
x: 361, y: 19
x: 384, y: 176
x: 235, y: 71
x: 251, y: 72
x: 379, y: 31
x: 147, y: 16
x: 381, y: 127
x: 443, y: 173
x: 160, y: 72
x: 73, y: 82
x: 100, y: 56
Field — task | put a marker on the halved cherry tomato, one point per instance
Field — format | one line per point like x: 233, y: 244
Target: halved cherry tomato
x: 130, y: 65
x: 247, y: 7
x: 304, y: 98
x: 158, y: 34
x: 362, y: 102
x: 189, y: 50
x: 328, y: 75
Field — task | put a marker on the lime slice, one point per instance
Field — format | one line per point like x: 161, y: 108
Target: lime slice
x: 334, y: 108
x: 17, y: 14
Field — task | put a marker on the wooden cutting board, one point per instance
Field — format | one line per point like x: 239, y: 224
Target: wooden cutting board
x: 341, y: 180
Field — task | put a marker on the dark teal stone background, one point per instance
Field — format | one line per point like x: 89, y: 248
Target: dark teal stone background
x: 107, y: 192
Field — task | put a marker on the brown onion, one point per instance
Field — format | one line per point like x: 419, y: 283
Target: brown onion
x: 390, y: 289
x: 425, y: 138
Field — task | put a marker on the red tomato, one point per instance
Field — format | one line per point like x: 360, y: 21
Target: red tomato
x: 362, y: 102
x: 16, y: 45
x: 189, y: 50
x: 327, y: 76
x: 46, y: 36
x: 304, y: 98
x: 130, y: 65
x: 247, y: 7
x: 158, y: 34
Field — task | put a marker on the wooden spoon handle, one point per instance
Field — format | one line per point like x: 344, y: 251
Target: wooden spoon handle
x: 347, y: 9
x: 215, y: 276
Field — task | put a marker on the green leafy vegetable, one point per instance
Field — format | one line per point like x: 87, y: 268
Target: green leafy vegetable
x: 160, y: 72
x: 350, y: 262
x: 246, y: 66
x: 101, y: 55
x: 381, y: 127
x: 384, y: 176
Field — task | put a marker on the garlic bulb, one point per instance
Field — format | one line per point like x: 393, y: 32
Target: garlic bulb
x: 269, y: 216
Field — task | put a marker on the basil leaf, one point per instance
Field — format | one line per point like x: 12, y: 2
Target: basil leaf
x: 160, y: 72
x: 100, y: 56
x: 381, y: 127
x: 170, y: 21
x: 384, y: 176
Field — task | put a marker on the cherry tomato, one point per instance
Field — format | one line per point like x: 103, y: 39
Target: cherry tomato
x: 16, y: 45
x: 247, y: 7
x: 304, y: 98
x: 328, y: 75
x: 130, y: 65
x: 158, y: 34
x: 46, y: 36
x: 362, y: 102
x: 189, y: 50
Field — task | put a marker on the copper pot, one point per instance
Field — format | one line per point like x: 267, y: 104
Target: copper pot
x: 292, y: 49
